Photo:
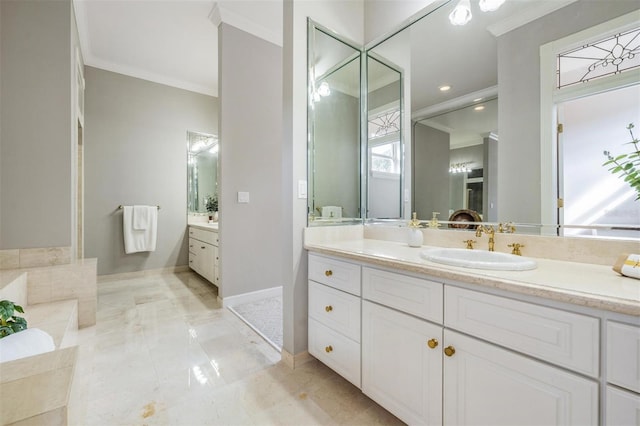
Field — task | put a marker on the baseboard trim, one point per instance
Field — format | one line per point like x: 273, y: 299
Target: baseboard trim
x: 251, y: 296
x: 293, y: 361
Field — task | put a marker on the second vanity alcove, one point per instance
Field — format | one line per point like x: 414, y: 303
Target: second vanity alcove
x: 202, y: 205
x: 437, y: 344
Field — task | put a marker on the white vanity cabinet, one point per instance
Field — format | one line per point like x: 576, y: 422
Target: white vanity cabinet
x: 488, y: 385
x: 402, y: 364
x: 623, y: 374
x: 334, y: 315
x: 203, y: 253
x: 445, y: 353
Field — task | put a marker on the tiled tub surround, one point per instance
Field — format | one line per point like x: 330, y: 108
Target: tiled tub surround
x: 580, y: 274
x: 34, y: 257
x: 556, y: 345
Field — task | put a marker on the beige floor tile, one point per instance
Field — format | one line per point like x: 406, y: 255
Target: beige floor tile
x: 165, y: 352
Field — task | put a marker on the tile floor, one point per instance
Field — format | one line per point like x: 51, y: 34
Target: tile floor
x: 164, y: 351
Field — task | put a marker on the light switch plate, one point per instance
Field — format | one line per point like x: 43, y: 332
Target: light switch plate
x: 243, y: 197
x: 302, y: 189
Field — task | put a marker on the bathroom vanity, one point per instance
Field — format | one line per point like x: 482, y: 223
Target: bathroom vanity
x: 444, y: 345
x: 203, y: 251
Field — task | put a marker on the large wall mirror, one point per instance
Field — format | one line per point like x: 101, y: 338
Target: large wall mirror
x: 202, y: 170
x: 479, y: 140
x: 334, y: 105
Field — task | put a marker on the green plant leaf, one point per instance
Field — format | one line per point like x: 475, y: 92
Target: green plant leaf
x: 19, y: 308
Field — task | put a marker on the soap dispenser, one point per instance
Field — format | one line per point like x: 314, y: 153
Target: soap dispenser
x: 415, y: 233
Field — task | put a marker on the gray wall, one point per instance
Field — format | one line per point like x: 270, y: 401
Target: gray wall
x: 36, y: 122
x: 491, y: 179
x: 250, y: 81
x: 431, y: 172
x: 336, y: 153
x: 519, y: 106
x: 135, y: 153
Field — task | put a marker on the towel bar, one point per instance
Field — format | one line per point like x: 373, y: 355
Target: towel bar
x: 122, y: 207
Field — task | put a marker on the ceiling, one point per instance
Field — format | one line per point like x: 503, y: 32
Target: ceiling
x: 172, y: 42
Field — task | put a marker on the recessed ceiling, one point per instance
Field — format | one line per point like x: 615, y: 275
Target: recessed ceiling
x: 173, y: 42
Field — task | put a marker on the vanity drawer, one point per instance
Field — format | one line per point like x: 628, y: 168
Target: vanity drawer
x: 563, y: 338
x: 335, y: 350
x: 623, y: 408
x: 335, y: 309
x: 623, y: 355
x: 415, y: 296
x: 202, y: 235
x: 335, y: 273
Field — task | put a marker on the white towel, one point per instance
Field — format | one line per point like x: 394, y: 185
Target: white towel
x: 136, y: 240
x: 332, y: 212
x: 141, y: 216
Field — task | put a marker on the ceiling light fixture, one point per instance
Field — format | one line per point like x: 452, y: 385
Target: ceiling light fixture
x: 323, y: 89
x: 490, y: 5
x: 479, y: 108
x: 461, y: 14
x: 444, y: 88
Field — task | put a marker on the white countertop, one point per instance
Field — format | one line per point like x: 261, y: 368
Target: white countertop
x: 206, y: 226
x: 582, y: 284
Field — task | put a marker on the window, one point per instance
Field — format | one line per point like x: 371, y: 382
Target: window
x: 385, y: 157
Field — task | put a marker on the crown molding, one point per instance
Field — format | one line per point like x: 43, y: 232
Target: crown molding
x: 130, y: 71
x: 453, y: 104
x: 528, y: 15
x: 220, y: 14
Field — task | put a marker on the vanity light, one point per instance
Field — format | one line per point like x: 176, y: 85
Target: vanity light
x: 477, y: 99
x: 479, y: 108
x: 460, y: 168
x: 490, y: 5
x: 214, y: 149
x: 461, y: 15
x: 444, y: 88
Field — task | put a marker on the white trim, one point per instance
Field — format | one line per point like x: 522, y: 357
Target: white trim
x: 293, y: 361
x: 452, y: 104
x: 528, y: 15
x: 251, y: 296
x: 130, y: 71
x: 220, y: 14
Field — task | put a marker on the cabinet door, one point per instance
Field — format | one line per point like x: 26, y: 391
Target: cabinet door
x: 487, y: 385
x: 623, y: 408
x: 623, y: 355
x: 216, y: 265
x: 400, y: 371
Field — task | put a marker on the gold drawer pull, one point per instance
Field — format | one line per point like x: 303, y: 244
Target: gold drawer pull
x: 449, y: 351
x: 432, y: 343
x: 328, y: 308
x: 328, y: 349
x: 328, y: 272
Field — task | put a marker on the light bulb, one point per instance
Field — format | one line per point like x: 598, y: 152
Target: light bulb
x: 490, y: 5
x: 461, y: 14
x: 323, y: 89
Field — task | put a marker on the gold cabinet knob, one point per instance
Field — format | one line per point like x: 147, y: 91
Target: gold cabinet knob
x: 432, y: 343
x: 328, y: 272
x: 449, y: 351
x: 328, y: 308
x: 328, y: 349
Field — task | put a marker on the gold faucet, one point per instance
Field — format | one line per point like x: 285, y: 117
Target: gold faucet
x: 433, y: 223
x: 516, y: 248
x: 507, y: 227
x: 470, y: 243
x: 490, y: 231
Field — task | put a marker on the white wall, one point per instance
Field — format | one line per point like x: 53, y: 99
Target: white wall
x: 250, y: 90
x: 135, y: 145
x: 384, y: 16
x: 36, y: 113
x: 346, y: 18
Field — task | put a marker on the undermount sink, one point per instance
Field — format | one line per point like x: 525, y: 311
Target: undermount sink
x: 479, y: 259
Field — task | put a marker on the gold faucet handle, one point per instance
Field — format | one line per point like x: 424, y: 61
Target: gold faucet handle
x: 507, y: 227
x: 470, y: 243
x: 516, y: 248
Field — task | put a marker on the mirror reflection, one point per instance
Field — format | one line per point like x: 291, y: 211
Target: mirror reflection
x: 202, y: 172
x: 456, y: 150
x: 334, y: 128
x: 384, y: 140
x: 518, y: 165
